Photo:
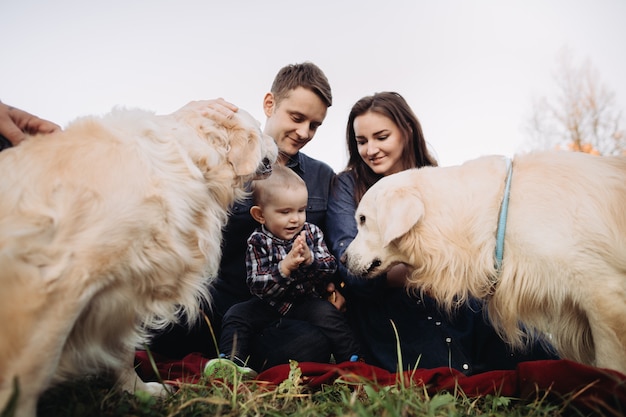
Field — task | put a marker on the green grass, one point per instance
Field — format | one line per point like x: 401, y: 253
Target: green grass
x: 94, y: 397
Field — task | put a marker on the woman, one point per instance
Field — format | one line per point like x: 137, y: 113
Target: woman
x: 400, y: 331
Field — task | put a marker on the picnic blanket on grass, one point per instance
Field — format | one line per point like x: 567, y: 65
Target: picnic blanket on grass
x: 585, y: 387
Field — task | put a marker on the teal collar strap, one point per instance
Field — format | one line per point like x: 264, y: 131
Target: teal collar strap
x: 504, y: 208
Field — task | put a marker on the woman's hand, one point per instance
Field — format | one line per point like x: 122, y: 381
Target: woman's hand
x: 336, y: 298
x: 396, y: 276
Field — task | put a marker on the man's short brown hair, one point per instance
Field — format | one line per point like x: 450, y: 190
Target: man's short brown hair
x: 307, y: 75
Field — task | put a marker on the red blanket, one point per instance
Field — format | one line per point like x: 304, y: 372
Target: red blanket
x: 584, y: 386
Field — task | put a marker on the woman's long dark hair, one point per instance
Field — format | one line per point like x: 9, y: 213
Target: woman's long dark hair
x: 393, y: 106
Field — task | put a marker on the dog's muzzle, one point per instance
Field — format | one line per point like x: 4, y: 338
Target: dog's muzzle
x: 265, y: 169
x: 375, y: 264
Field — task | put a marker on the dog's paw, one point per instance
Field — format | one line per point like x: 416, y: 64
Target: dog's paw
x: 129, y: 381
x: 156, y: 389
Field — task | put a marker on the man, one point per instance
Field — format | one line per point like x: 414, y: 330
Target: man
x: 295, y: 108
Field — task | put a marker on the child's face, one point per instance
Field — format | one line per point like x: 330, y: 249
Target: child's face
x: 285, y: 214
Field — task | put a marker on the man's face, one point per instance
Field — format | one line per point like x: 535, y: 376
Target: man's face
x: 293, y: 122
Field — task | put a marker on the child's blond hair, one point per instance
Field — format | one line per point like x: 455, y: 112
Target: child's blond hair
x: 281, y: 180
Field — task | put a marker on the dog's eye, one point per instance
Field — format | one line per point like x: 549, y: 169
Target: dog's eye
x: 361, y: 220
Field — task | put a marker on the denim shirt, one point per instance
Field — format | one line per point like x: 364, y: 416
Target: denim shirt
x: 318, y: 177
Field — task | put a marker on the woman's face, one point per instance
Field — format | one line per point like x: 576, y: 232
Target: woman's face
x: 379, y: 142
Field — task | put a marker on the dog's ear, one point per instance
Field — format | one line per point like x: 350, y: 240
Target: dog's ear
x: 398, y: 210
x: 244, y: 144
x: 240, y: 134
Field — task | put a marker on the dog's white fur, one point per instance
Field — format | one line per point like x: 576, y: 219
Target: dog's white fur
x: 564, y: 265
x: 108, y: 229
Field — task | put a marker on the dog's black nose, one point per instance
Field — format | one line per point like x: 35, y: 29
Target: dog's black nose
x: 375, y: 264
x: 265, y: 169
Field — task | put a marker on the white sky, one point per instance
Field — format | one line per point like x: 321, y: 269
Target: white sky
x: 469, y: 69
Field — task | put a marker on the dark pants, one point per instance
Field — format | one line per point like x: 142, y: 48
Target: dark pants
x: 242, y: 321
x: 276, y: 344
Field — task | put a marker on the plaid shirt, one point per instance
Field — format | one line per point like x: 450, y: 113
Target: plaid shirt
x: 266, y: 281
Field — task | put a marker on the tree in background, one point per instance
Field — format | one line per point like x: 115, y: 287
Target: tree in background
x: 583, y: 117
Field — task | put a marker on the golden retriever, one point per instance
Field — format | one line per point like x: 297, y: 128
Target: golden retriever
x: 108, y: 229
x: 563, y: 272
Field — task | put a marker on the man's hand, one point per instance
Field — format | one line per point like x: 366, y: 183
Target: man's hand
x: 16, y: 123
x: 218, y: 109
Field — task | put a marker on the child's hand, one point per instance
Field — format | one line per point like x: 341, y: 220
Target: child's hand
x: 299, y: 254
x: 306, y: 252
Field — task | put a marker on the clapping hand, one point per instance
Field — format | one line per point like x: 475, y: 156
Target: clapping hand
x: 298, y: 255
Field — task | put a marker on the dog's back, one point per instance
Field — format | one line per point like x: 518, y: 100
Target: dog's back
x: 577, y: 199
x: 564, y: 267
x: 104, y: 229
x: 92, y: 198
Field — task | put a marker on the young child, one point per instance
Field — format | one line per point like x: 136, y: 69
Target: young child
x: 288, y: 266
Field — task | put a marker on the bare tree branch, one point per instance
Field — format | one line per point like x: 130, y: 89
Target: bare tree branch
x: 582, y: 118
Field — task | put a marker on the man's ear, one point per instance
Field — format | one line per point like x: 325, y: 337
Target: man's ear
x: 398, y: 210
x: 257, y: 214
x: 269, y: 103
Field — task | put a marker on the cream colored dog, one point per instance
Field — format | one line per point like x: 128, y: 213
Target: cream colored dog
x: 563, y: 272
x: 108, y: 229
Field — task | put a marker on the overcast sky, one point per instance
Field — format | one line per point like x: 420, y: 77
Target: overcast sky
x: 469, y: 69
